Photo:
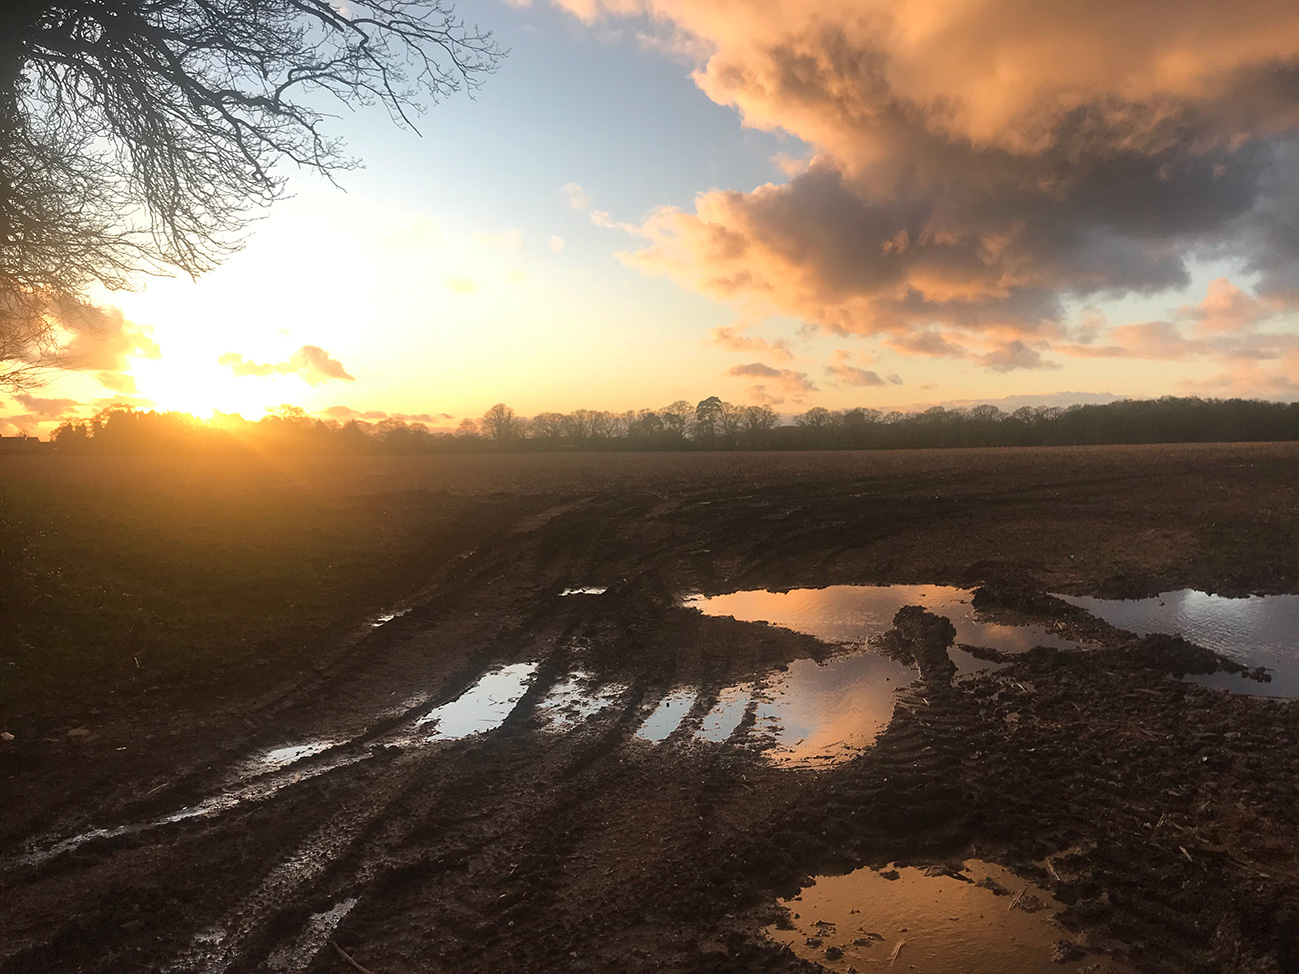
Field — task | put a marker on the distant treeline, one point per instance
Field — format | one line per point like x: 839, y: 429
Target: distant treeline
x: 709, y: 425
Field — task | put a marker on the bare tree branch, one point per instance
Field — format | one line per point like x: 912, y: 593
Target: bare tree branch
x: 141, y: 137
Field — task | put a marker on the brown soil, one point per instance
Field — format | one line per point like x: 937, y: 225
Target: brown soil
x: 1164, y: 814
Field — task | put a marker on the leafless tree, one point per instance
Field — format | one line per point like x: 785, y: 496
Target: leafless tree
x: 678, y: 419
x: 500, y: 424
x: 730, y: 421
x: 141, y: 136
x: 579, y: 425
x: 759, y: 421
x: 548, y: 427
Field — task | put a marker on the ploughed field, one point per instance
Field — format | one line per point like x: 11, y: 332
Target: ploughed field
x: 470, y: 714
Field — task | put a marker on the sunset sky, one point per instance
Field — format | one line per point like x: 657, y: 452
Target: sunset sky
x: 773, y: 201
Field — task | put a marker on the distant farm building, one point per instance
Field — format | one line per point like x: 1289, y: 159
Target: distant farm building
x: 21, y: 444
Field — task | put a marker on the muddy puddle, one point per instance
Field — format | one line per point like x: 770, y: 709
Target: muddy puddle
x: 297, y: 957
x: 973, y: 918
x: 667, y: 716
x: 384, y: 618
x: 481, y: 708
x: 816, y: 714
x: 726, y: 714
x: 856, y: 613
x: 1261, y: 630
x: 575, y: 698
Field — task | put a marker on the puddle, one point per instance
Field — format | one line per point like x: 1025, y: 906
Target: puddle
x: 483, y: 707
x: 281, y: 757
x: 589, y: 590
x: 855, y: 613
x: 576, y: 698
x: 387, y: 617
x: 1261, y: 630
x: 668, y: 715
x: 943, y: 924
x: 320, y: 927
x: 820, y: 713
x: 724, y: 719
x: 256, y: 791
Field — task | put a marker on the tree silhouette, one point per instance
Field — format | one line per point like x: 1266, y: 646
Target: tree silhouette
x: 140, y: 136
x: 500, y: 424
x: 122, y: 429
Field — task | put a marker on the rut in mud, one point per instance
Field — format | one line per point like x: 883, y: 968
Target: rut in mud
x: 1160, y: 814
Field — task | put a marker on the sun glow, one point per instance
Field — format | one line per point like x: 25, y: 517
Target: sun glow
x: 202, y: 389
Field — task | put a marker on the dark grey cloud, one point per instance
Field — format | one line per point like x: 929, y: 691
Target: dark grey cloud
x: 977, y: 174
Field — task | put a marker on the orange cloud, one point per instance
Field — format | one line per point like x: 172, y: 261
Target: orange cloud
x: 786, y: 379
x: 732, y: 337
x: 46, y: 408
x: 849, y: 375
x: 977, y: 162
x: 1250, y: 380
x: 1226, y: 308
x: 311, y: 362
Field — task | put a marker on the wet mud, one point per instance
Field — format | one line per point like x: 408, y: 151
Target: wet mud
x: 552, y: 761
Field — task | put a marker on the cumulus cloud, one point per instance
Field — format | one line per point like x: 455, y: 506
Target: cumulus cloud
x: 1145, y: 339
x: 1015, y: 355
x: 91, y: 338
x: 556, y: 245
x: 848, y: 375
x: 46, y: 408
x: 311, y: 362
x: 779, y: 384
x: 117, y: 381
x: 1251, y: 380
x: 578, y: 198
x: 760, y: 395
x: 1229, y: 326
x: 979, y: 167
x: 732, y: 337
x: 1227, y: 308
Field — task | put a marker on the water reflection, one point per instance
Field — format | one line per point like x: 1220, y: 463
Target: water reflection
x: 575, y: 698
x: 725, y: 717
x: 281, y: 757
x: 387, y: 617
x: 1262, y: 630
x: 980, y: 919
x: 855, y: 613
x: 819, y: 713
x: 483, y: 707
x: 668, y: 715
x: 297, y: 957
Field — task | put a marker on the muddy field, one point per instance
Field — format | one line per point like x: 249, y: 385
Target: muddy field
x: 150, y: 826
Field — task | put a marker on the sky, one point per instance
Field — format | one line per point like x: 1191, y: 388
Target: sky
x: 839, y: 204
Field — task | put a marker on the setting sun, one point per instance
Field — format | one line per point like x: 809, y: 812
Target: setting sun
x: 201, y: 389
